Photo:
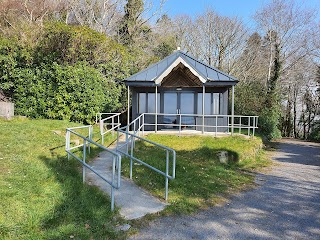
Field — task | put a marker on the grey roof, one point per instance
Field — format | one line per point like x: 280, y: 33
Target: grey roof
x: 209, y: 73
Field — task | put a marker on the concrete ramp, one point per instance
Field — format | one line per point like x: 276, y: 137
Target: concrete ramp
x: 133, y: 201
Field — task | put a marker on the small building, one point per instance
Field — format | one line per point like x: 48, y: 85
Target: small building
x: 182, y: 92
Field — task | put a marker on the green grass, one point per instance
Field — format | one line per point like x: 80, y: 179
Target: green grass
x: 201, y: 179
x: 42, y: 195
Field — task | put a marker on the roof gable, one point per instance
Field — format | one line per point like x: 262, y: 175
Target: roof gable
x: 157, y: 72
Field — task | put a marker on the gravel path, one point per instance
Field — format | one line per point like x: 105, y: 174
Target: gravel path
x: 286, y: 205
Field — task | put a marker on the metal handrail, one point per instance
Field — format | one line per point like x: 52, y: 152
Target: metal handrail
x: 104, y: 124
x: 130, y: 140
x: 116, y: 160
x: 231, y: 122
x: 99, y: 116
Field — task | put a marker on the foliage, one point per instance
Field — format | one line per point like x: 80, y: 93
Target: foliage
x: 269, y: 121
x: 12, y: 56
x: 200, y: 177
x: 67, y: 44
x: 315, y: 132
x: 249, y: 98
x: 130, y: 24
x: 164, y: 49
x: 42, y: 194
x: 69, y: 74
x: 73, y: 93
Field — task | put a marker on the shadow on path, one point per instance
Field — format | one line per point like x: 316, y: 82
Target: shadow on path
x: 286, y: 205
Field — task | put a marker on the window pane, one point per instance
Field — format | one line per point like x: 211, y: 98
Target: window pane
x: 142, y: 102
x: 158, y: 102
x: 216, y: 103
x: 199, y: 106
x: 187, y: 103
x: 151, y: 103
x: 207, y: 104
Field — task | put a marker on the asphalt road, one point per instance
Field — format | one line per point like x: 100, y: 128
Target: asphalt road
x: 285, y: 205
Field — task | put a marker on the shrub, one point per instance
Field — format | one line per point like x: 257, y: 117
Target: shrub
x: 74, y: 93
x: 269, y: 123
x: 315, y: 132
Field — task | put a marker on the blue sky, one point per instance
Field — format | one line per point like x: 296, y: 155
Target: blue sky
x: 240, y: 8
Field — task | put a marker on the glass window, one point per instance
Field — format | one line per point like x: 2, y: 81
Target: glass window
x: 211, y: 103
x: 147, y: 101
x: 199, y: 106
x: 207, y: 104
x: 152, y: 103
x: 142, y: 102
x: 215, y: 103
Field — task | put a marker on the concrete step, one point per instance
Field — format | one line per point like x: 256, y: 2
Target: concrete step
x: 133, y: 201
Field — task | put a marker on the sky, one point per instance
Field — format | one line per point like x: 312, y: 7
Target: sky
x: 241, y: 8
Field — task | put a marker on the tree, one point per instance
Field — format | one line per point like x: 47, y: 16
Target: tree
x: 286, y: 26
x: 99, y: 15
x: 30, y: 10
x: 215, y: 39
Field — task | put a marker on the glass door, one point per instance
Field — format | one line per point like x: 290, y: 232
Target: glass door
x: 178, y: 103
x: 186, y: 106
x: 170, y: 106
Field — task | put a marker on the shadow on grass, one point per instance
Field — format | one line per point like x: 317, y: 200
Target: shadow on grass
x: 83, y: 211
x: 200, y: 177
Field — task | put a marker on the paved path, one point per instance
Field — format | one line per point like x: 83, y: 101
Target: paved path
x: 286, y: 205
x: 134, y: 202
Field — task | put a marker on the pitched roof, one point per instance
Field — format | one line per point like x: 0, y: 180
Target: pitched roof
x: 158, y: 71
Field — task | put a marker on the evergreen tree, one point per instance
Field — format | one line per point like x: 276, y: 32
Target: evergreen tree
x: 131, y: 23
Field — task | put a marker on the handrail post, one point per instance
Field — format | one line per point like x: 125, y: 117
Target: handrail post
x: 142, y: 124
x: 254, y: 125
x: 90, y: 137
x: 240, y: 125
x: 127, y: 138
x: 139, y: 124
x: 248, y: 126
x: 101, y: 131
x: 117, y: 146
x: 112, y: 125
x: 84, y: 160
x: 68, y: 142
x: 131, y: 155
x: 180, y: 119
x: 167, y: 173
x: 112, y: 185
x: 216, y: 125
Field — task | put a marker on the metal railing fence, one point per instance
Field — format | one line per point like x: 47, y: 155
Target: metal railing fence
x: 99, y: 116
x: 215, y: 123
x: 109, y: 124
x: 132, y: 137
x: 114, y: 182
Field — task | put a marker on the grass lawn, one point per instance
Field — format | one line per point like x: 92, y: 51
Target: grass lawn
x: 42, y: 195
x: 201, y: 179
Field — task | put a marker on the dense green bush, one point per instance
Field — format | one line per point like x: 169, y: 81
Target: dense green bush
x: 73, y: 93
x: 269, y: 123
x: 249, y: 98
x: 71, y: 73
x: 315, y: 132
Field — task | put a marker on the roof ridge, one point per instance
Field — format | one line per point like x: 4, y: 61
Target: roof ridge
x: 152, y: 65
x: 207, y: 65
